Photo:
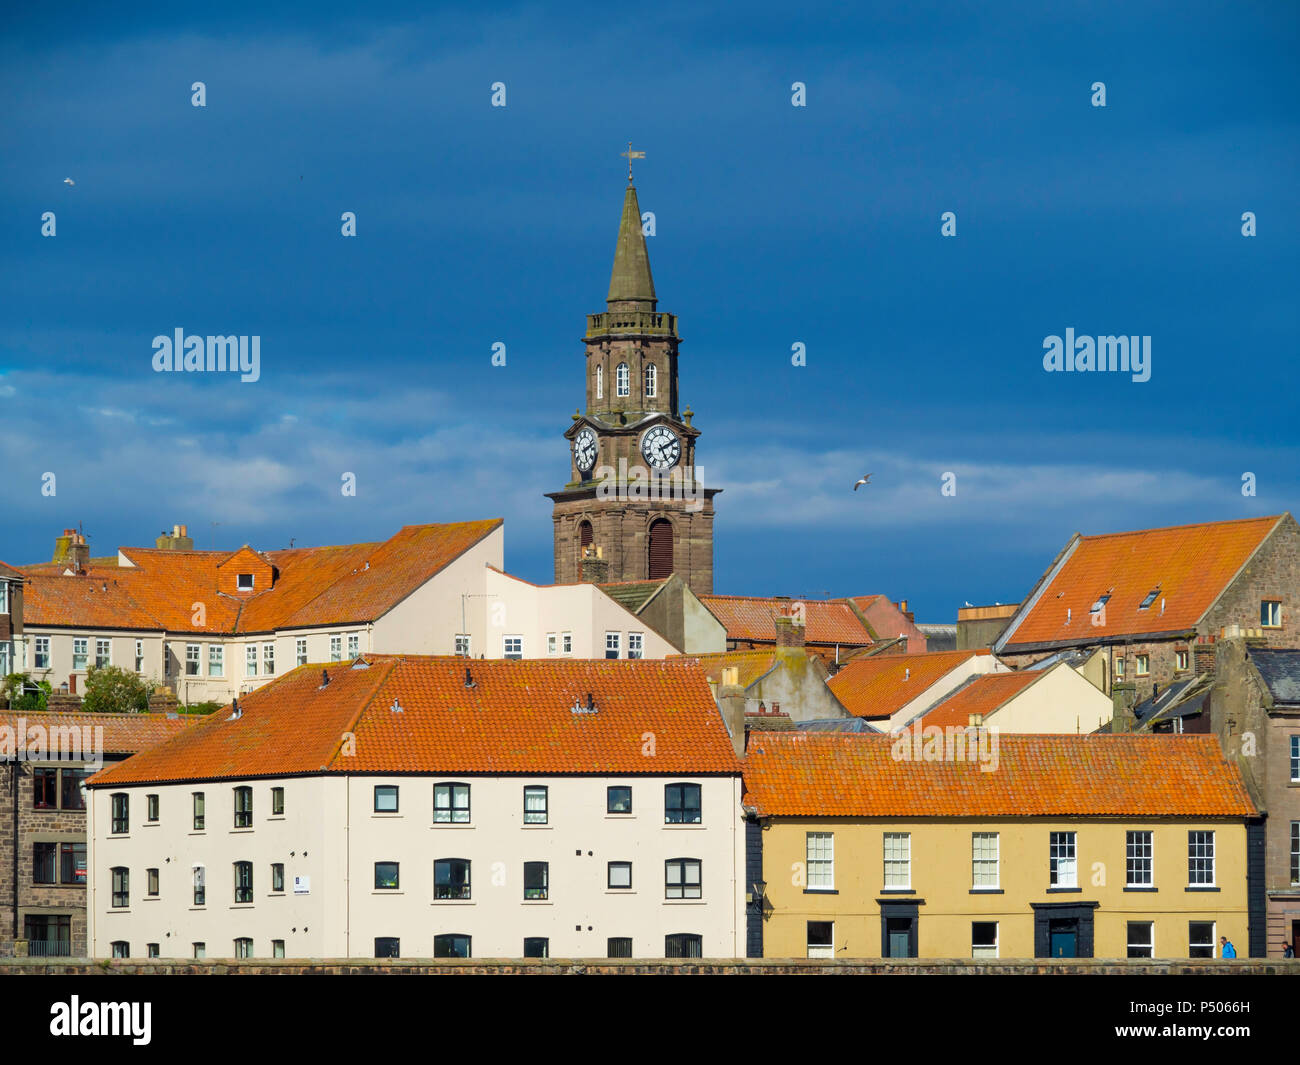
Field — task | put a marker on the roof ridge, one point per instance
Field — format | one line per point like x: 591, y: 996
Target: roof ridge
x: 1178, y: 528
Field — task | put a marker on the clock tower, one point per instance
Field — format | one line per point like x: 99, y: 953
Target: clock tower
x: 634, y: 507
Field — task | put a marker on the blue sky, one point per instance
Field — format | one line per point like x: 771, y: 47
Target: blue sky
x: 775, y: 225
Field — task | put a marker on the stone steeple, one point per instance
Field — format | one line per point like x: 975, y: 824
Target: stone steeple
x: 631, y: 288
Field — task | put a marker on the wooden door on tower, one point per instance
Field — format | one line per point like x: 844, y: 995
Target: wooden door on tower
x: 661, y: 549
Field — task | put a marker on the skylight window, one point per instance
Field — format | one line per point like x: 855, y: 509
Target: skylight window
x: 1151, y: 598
x: 1100, y: 604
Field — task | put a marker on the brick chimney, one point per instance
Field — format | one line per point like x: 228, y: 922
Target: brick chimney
x: 790, y: 630
x: 593, y: 568
x: 731, y: 701
x: 179, y: 540
x: 1204, y: 656
x: 72, y: 550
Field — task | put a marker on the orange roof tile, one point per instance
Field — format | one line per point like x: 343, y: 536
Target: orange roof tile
x: 313, y: 585
x: 837, y: 774
x: 1190, y: 565
x: 880, y: 685
x: 750, y: 665
x: 749, y: 618
x: 517, y: 718
x: 123, y: 733
x: 984, y: 694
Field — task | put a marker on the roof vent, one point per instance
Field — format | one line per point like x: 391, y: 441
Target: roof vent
x: 469, y: 678
x: 235, y: 712
x: 324, y: 678
x: 590, y: 708
x: 360, y: 663
x: 396, y: 707
x: 1068, y: 613
x: 907, y: 673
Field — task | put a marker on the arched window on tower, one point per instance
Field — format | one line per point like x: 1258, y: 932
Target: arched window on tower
x: 600, y: 382
x: 661, y: 549
x: 584, y: 542
x: 622, y: 380
x: 651, y: 379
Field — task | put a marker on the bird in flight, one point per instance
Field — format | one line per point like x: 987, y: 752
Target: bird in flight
x: 864, y: 480
x: 68, y: 181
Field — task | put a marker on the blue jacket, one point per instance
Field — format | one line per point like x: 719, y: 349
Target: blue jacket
x: 1229, y: 951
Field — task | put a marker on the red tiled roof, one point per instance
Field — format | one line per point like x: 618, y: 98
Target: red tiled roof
x: 10, y: 572
x: 1189, y: 564
x: 750, y: 665
x: 880, y: 685
x: 983, y: 694
x: 837, y: 774
x: 123, y: 733
x: 888, y: 621
x: 748, y: 618
x: 314, y: 585
x: 517, y: 718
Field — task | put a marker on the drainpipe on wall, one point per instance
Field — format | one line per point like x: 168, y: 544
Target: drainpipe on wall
x: 17, y: 765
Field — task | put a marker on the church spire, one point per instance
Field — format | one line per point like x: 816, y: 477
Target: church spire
x: 631, y: 280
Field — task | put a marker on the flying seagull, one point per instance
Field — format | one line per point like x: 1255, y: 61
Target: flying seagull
x: 859, y: 484
x: 68, y: 181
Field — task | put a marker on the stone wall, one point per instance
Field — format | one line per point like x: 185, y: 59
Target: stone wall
x: 701, y: 967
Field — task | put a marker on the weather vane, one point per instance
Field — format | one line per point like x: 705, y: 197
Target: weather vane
x: 630, y: 156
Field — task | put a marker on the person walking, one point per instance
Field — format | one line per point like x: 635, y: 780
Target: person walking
x: 1228, y: 951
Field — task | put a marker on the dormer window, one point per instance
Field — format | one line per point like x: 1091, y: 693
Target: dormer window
x: 1151, y: 598
x: 244, y: 582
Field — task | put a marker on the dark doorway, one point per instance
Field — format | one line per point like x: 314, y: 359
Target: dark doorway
x: 1064, y: 935
x: 661, y: 549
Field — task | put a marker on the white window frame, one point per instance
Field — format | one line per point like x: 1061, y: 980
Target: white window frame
x: 1214, y: 938
x: 901, y: 861
x: 550, y: 643
x: 250, y: 660
x: 819, y: 853
x: 336, y: 647
x: 103, y: 652
x: 997, y: 941
x: 1149, y: 944
x: 1119, y: 667
x: 512, y: 646
x: 1142, y: 666
x: 622, y: 380
x: 1206, y: 854
x: 1182, y: 660
x: 635, y: 645
x: 1295, y: 758
x: 194, y: 658
x: 300, y: 650
x: 42, y: 640
x: 216, y: 660
x: 80, y: 650
x: 820, y: 950
x: 463, y: 644
x: 613, y: 642
x: 566, y: 643
x: 354, y: 645
x: 651, y: 380
x: 268, y: 659
x: 1270, y: 618
x: 985, y: 856
x: 240, y: 586
x: 139, y: 656
x: 4, y: 597
x: 1133, y: 849
x: 1063, y: 867
x: 1295, y: 852
x: 600, y: 382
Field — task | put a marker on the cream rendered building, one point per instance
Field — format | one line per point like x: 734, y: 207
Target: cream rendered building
x: 431, y: 807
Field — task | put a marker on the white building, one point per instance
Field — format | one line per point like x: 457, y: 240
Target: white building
x: 426, y: 806
x: 212, y: 624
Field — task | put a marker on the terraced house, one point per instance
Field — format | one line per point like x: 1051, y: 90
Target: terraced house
x: 1150, y: 598
x: 422, y: 806
x: 212, y: 624
x: 1061, y: 846
x: 45, y: 759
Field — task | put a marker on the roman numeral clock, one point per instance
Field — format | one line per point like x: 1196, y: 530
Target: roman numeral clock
x: 633, y: 509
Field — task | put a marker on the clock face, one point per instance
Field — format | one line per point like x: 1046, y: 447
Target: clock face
x: 584, y: 450
x: 661, y: 447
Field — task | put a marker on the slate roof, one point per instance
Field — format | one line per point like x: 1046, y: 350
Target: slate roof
x: 1188, y: 565
x: 517, y: 718
x: 754, y: 619
x: 837, y: 774
x: 1171, y: 695
x: 123, y: 733
x: 879, y: 686
x: 1280, y: 670
x: 343, y: 584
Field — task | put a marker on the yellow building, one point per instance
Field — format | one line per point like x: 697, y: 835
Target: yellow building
x: 971, y: 844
